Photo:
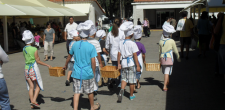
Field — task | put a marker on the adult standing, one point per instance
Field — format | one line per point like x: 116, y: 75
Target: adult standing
x: 146, y: 27
x: 4, y: 96
x: 220, y: 28
x: 185, y: 36
x: 173, y: 22
x: 139, y: 22
x: 71, y: 25
x: 112, y: 41
x: 49, y: 40
x: 204, y: 28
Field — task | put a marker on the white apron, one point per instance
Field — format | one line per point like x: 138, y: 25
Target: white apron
x: 38, y: 77
x: 97, y: 75
x: 36, y: 71
x: 140, y: 60
x: 105, y: 58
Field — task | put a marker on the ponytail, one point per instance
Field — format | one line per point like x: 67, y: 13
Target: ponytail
x: 116, y: 25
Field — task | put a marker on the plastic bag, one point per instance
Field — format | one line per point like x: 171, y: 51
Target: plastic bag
x: 193, y: 44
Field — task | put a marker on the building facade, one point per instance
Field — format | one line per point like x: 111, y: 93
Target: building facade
x: 156, y: 11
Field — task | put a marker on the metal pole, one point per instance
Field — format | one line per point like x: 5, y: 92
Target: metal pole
x: 120, y: 9
x: 64, y: 20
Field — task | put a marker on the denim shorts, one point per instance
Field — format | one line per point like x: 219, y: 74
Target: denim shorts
x: 70, y: 65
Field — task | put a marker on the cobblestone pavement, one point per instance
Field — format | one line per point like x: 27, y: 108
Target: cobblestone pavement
x: 193, y: 85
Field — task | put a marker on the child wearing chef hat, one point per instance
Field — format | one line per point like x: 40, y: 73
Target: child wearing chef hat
x: 98, y: 60
x: 128, y: 50
x: 84, y: 67
x: 166, y: 48
x: 76, y: 37
x: 102, y: 36
x: 140, y: 53
x: 32, y: 73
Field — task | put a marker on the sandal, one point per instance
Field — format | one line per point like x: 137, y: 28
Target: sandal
x: 99, y: 106
x: 135, y: 91
x: 35, y: 105
x: 45, y: 59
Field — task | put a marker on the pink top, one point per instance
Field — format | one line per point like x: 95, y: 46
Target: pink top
x: 145, y: 23
x: 37, y: 38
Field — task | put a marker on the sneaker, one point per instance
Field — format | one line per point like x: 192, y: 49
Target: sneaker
x: 67, y: 83
x: 120, y: 96
x: 132, y: 97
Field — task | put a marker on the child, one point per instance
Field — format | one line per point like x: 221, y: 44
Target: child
x: 166, y: 45
x: 140, y: 53
x: 128, y: 50
x: 102, y: 36
x: 96, y: 43
x: 32, y: 73
x: 73, y: 33
x: 84, y: 67
x: 37, y: 37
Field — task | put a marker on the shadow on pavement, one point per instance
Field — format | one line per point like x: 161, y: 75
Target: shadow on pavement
x: 193, y: 85
x: 151, y: 81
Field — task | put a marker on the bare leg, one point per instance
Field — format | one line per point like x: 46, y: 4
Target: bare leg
x: 166, y: 81
x: 69, y: 74
x: 51, y: 58
x: 37, y: 90
x: 132, y: 89
x: 76, y: 101
x: 31, y: 91
x: 46, y: 57
x: 91, y: 99
x: 123, y: 84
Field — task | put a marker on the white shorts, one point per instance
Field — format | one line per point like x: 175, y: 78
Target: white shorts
x: 37, y: 43
x: 167, y: 69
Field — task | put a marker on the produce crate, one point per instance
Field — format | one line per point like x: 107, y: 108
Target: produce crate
x: 110, y: 72
x: 57, y: 71
x: 152, y: 66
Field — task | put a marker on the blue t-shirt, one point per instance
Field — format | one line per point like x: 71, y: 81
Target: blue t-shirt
x: 82, y: 57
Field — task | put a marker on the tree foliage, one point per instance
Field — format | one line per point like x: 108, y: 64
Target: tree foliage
x: 112, y: 7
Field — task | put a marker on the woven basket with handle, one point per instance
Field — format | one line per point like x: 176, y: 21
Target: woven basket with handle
x: 110, y: 72
x: 57, y: 71
x: 152, y: 66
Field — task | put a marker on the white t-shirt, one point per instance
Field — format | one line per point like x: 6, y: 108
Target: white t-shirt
x: 97, y: 47
x: 68, y: 28
x: 4, y: 58
x: 70, y: 47
x: 127, y: 49
x: 112, y: 43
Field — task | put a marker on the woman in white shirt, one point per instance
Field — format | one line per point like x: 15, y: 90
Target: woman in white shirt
x: 112, y: 41
x: 4, y: 96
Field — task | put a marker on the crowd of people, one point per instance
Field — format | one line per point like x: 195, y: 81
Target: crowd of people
x: 86, y: 55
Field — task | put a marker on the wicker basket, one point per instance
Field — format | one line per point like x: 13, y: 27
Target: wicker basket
x: 110, y: 72
x: 57, y: 71
x: 152, y: 66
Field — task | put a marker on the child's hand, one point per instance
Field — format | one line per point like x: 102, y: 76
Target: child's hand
x: 144, y: 62
x: 138, y: 69
x: 100, y: 65
x: 119, y: 66
x: 49, y: 66
x: 65, y: 67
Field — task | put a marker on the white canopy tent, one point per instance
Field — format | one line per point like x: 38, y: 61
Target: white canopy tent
x: 32, y: 8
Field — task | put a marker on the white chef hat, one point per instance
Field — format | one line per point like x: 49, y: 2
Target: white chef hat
x: 74, y: 33
x: 127, y: 27
x: 83, y: 29
x: 168, y: 30
x: 28, y: 37
x: 137, y: 32
x: 100, y: 33
x: 92, y: 29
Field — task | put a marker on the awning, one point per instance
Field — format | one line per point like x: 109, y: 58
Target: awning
x: 28, y: 10
x: 83, y: 8
x: 161, y: 6
x: 54, y: 6
x: 193, y: 4
x: 10, y: 11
